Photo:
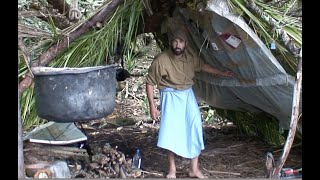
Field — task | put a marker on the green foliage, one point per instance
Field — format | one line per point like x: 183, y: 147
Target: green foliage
x: 261, y: 125
x: 131, y: 59
x: 91, y: 49
x: 146, y: 106
x: 209, y: 116
x: 29, y: 116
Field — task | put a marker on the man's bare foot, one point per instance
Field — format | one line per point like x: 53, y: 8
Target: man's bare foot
x: 172, y: 173
x: 172, y: 166
x: 197, y: 174
x: 171, y: 176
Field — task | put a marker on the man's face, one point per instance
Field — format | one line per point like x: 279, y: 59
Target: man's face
x: 178, y: 45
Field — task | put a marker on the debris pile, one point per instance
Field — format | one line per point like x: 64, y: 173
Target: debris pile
x: 107, y: 162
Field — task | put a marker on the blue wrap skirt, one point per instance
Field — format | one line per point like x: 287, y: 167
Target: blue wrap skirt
x: 180, y: 125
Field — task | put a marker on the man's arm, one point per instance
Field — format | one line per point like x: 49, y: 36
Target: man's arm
x: 154, y: 113
x: 209, y: 69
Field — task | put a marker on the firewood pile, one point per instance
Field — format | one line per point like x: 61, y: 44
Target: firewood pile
x: 109, y: 162
x: 105, y: 162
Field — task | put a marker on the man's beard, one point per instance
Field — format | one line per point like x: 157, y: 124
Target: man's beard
x: 177, y: 51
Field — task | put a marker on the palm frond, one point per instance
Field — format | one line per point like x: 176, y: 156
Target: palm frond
x: 283, y: 31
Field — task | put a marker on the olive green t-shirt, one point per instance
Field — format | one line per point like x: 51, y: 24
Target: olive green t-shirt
x: 168, y: 71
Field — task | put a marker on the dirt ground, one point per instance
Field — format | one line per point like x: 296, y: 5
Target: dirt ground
x: 227, y: 154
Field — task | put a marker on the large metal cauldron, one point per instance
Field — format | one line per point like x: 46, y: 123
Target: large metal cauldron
x: 74, y: 94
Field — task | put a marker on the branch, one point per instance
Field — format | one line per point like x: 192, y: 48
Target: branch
x: 283, y: 35
x: 293, y: 123
x: 29, y: 31
x: 25, y: 53
x: 21, y: 167
x: 54, y: 50
x: 30, y: 14
x: 44, y: 13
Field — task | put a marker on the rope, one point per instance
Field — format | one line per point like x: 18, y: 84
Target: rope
x: 74, y: 13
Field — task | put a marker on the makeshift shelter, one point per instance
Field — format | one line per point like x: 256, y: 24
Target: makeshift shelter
x: 261, y: 83
x: 222, y: 38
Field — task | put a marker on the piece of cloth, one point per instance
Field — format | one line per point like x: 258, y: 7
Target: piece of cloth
x: 179, y: 33
x: 168, y: 71
x: 180, y: 125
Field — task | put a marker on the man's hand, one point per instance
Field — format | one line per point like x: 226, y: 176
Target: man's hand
x: 228, y: 74
x: 215, y: 72
x: 154, y: 113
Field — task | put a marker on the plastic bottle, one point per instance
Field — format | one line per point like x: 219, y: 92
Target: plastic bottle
x: 272, y: 45
x: 136, y: 160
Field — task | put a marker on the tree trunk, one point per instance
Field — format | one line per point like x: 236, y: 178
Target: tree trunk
x: 54, y: 50
x: 21, y: 171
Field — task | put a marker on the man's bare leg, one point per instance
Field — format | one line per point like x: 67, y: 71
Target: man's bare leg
x: 194, y: 169
x: 172, y: 165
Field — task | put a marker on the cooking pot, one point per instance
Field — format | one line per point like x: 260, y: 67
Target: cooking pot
x: 74, y: 94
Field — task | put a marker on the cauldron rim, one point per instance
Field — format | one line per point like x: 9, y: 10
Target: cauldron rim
x: 42, y: 70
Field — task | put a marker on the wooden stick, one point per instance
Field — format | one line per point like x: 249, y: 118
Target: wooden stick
x: 71, y: 149
x: 67, y: 153
x: 222, y: 172
x: 21, y: 168
x: 60, y: 153
x: 111, y: 169
x: 147, y: 172
x: 117, y: 169
x: 248, y: 162
x: 127, y: 91
x: 158, y: 153
x: 294, y: 145
x: 122, y: 175
x: 293, y: 123
x: 134, y: 97
x: 53, y: 147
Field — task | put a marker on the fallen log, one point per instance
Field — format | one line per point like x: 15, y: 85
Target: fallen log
x: 56, y: 152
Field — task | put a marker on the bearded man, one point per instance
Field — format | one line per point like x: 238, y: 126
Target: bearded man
x: 180, y: 132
